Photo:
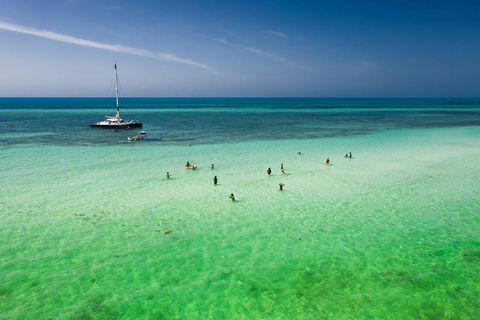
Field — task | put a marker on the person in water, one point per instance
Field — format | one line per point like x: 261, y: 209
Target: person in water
x: 283, y: 172
x: 328, y: 161
x: 281, y: 185
x: 350, y: 154
x: 299, y: 153
x: 213, y: 166
x: 168, y: 174
x: 215, y: 180
x: 269, y: 171
x: 232, y: 197
x: 346, y: 155
x: 281, y: 166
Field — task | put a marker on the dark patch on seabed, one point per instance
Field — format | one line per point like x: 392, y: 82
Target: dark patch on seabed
x: 5, y: 292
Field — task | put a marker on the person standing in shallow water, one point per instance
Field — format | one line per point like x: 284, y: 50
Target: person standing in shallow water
x: 232, y: 197
x: 213, y: 166
x: 168, y: 174
x: 328, y: 161
x: 215, y: 180
x: 269, y: 171
x: 350, y: 154
x: 281, y: 185
x: 281, y: 166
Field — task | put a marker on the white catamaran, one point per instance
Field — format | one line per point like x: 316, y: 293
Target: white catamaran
x: 115, y: 122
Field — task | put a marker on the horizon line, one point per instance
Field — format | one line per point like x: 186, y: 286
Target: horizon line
x: 245, y: 97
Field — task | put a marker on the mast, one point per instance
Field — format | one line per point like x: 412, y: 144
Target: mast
x: 116, y: 89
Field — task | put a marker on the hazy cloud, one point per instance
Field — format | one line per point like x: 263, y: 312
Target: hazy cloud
x: 224, y: 41
x: 276, y: 33
x: 98, y: 45
x: 266, y: 54
x: 230, y: 33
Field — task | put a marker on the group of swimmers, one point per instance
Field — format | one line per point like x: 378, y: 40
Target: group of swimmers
x: 269, y: 172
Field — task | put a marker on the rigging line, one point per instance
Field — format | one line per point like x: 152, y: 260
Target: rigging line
x: 120, y: 89
x: 111, y: 90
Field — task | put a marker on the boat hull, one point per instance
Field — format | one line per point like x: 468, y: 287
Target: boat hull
x: 116, y: 126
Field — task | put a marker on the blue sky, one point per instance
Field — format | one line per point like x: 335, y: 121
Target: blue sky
x: 240, y: 48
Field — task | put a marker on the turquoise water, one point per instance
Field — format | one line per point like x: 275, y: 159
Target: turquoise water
x: 96, y: 230
x: 219, y: 120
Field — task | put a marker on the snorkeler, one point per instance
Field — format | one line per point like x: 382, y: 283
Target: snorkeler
x: 215, y: 180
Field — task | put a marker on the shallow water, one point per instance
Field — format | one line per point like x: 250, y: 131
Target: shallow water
x: 98, y: 231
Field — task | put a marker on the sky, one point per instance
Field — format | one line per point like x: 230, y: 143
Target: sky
x: 240, y: 48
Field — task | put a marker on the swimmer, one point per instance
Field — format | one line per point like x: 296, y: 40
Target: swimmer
x: 346, y: 155
x: 269, y: 171
x: 168, y: 174
x: 283, y: 172
x: 299, y: 153
x: 281, y: 185
x: 232, y: 197
x: 215, y: 180
x: 188, y: 144
x: 281, y: 166
x: 350, y: 154
x: 328, y: 161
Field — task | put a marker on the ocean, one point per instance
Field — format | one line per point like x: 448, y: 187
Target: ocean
x: 92, y: 228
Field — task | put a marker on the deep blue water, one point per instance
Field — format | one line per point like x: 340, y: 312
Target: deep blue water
x: 212, y: 120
